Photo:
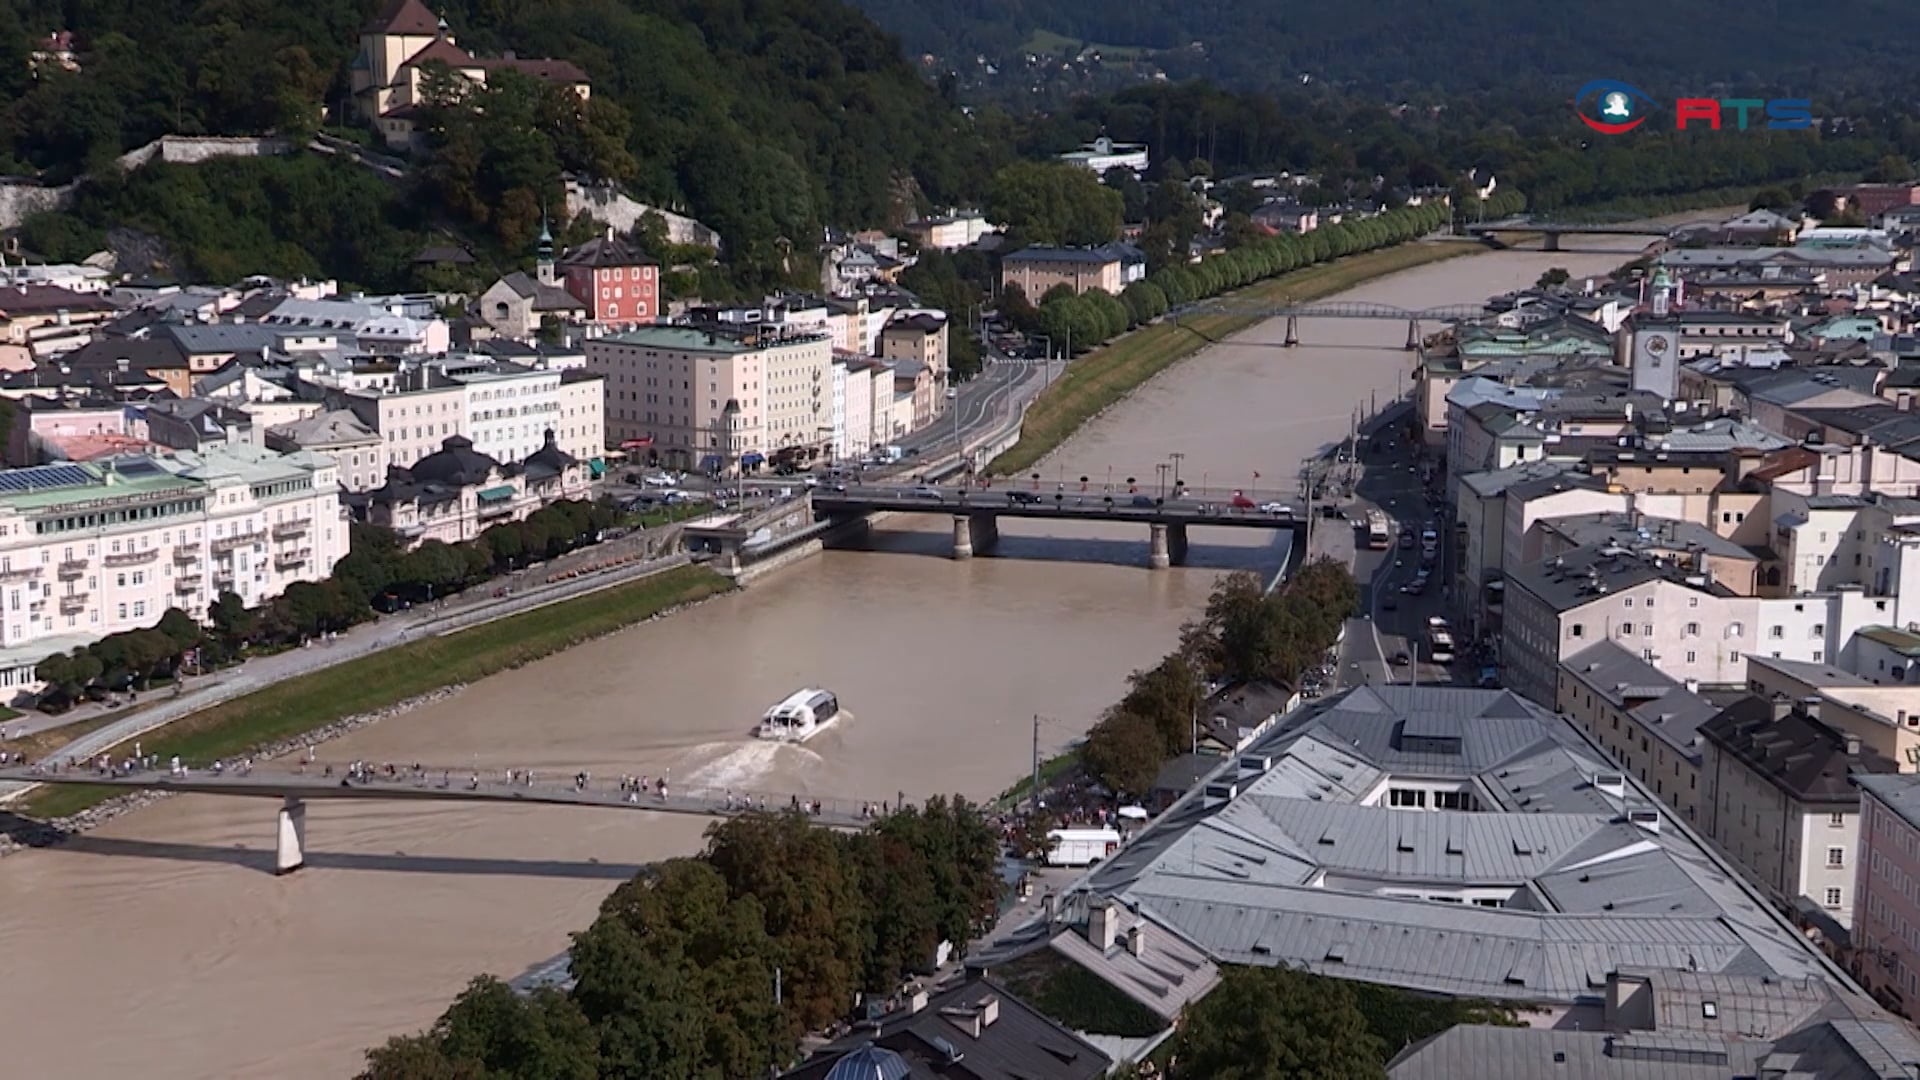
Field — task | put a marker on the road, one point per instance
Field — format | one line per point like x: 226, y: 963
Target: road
x: 1014, y: 498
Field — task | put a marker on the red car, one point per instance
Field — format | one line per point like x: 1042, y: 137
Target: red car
x: 1241, y: 502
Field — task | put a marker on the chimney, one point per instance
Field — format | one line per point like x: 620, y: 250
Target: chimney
x: 1782, y: 707
x: 1810, y: 707
x: 1693, y: 686
x: 1853, y: 744
x: 1103, y: 925
x: 609, y: 232
x: 1047, y: 903
x: 989, y: 1010
x: 1137, y: 940
x: 917, y: 1002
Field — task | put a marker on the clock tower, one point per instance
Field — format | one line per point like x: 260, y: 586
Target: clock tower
x: 1653, y: 343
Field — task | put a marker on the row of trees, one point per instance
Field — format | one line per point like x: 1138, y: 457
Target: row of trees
x: 377, y: 568
x: 676, y: 976
x: 1246, y: 634
x: 1092, y: 318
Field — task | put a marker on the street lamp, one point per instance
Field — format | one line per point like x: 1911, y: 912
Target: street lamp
x: 1162, y: 469
x: 953, y: 406
x: 1176, y: 457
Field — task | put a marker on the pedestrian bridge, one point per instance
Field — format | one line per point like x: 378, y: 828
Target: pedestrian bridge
x: 1334, y: 309
x: 296, y: 787
x: 977, y: 511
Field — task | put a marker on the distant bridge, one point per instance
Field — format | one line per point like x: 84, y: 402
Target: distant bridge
x: 296, y: 787
x: 1554, y: 230
x: 1337, y: 309
x: 977, y: 511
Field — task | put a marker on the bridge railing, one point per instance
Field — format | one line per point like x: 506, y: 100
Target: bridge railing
x: 1071, y: 491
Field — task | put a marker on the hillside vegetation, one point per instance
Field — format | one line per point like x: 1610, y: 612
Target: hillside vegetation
x: 1465, y: 45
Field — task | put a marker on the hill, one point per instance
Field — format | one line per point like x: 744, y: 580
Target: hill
x: 768, y: 119
x: 1667, y: 49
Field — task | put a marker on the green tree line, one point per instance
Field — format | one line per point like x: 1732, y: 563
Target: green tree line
x: 377, y: 568
x: 676, y: 976
x: 1246, y: 634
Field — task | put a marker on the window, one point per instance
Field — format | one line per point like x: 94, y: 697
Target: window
x: 1709, y: 1010
x: 1833, y: 898
x: 1776, y: 632
x: 1693, y: 629
x: 1835, y: 821
x: 1836, y: 856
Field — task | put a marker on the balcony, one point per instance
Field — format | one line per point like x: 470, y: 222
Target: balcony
x: 187, y: 583
x: 187, y: 555
x: 73, y: 603
x: 290, y: 529
x: 133, y: 558
x: 72, y: 569
x: 287, y: 560
x: 18, y: 574
x: 224, y: 544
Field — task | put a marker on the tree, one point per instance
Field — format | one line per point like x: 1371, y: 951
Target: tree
x: 1553, y: 278
x: 1124, y: 751
x: 1771, y: 198
x: 492, y: 1031
x: 1277, y: 1024
x: 1054, y: 203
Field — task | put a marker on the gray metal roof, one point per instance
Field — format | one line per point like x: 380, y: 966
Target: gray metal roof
x: 1899, y: 791
x: 1297, y: 865
x: 1501, y: 1053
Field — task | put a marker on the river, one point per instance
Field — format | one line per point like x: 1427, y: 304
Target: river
x: 162, y: 946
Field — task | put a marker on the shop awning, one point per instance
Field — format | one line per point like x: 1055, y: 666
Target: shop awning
x: 752, y: 459
x: 637, y: 444
x: 710, y: 463
x: 495, y: 494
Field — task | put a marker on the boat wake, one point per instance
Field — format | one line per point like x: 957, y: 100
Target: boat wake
x: 745, y: 765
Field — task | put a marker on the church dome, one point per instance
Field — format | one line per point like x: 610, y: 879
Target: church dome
x: 870, y: 1062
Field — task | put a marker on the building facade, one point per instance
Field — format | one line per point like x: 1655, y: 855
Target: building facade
x: 716, y: 399
x: 618, y: 283
x: 91, y: 550
x: 457, y: 493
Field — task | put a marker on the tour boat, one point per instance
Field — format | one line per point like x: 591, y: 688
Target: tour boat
x: 801, y: 716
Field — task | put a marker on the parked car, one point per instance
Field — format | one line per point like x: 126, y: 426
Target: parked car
x: 1241, y: 502
x: 1023, y: 498
x: 927, y: 491
x: 658, y: 480
x: 1277, y: 509
x: 1143, y: 501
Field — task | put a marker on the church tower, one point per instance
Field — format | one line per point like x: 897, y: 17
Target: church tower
x: 543, y: 255
x: 1653, y: 342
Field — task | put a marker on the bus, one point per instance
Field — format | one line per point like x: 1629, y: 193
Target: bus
x: 1379, y: 535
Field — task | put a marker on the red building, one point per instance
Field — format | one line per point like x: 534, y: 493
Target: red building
x: 618, y: 283
x: 1876, y: 199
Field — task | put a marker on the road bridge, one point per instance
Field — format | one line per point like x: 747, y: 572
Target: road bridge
x: 1334, y: 309
x: 1553, y: 230
x: 296, y: 787
x: 977, y: 511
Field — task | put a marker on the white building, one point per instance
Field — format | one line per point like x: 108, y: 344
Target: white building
x: 356, y: 449
x: 88, y: 550
x: 1103, y: 154
x: 854, y: 379
x: 504, y: 408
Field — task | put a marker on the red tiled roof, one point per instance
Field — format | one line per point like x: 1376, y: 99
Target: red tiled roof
x: 404, y: 17
x: 565, y: 72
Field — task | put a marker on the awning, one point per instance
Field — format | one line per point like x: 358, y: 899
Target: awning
x: 495, y: 494
x: 597, y: 468
x: 752, y: 459
x: 637, y: 444
x: 710, y: 463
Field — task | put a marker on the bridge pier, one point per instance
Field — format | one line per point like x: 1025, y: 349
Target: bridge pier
x: 1177, y: 544
x: 1293, y: 331
x: 290, y: 844
x: 1553, y: 241
x: 1158, y: 556
x: 986, y: 532
x: 962, y: 536
x: 1413, y: 335
x: 974, y: 532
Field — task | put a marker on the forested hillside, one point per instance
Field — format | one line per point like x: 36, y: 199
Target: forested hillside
x: 1668, y: 49
x: 766, y: 118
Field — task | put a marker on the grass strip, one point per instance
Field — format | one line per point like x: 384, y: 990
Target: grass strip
x: 385, y: 678
x: 1102, y: 377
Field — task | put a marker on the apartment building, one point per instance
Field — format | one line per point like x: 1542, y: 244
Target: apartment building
x: 920, y: 338
x: 456, y: 493
x: 1667, y: 610
x: 1648, y: 722
x: 358, y: 451
x: 1784, y: 804
x: 716, y: 398
x: 1036, y: 270
x: 1886, y: 902
x: 413, y: 422
x: 510, y: 408
x: 1885, y: 718
x: 88, y: 550
x: 950, y: 231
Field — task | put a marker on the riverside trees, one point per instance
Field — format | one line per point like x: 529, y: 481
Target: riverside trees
x: 1246, y: 634
x: 676, y: 975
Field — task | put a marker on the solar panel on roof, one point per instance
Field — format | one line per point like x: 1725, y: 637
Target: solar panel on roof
x: 139, y: 467
x: 43, y: 478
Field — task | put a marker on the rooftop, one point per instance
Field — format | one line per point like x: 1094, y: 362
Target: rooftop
x: 1662, y: 704
x: 1806, y: 759
x: 716, y: 340
x: 1302, y: 860
x: 1576, y: 578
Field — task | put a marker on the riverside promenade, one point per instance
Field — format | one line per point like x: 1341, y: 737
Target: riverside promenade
x: 549, y: 583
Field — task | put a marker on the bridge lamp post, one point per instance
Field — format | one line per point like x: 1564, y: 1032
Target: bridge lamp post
x: 1036, y: 481
x: 953, y: 406
x: 1083, y: 485
x: 1162, y: 469
x: 1176, y: 457
x: 1133, y: 486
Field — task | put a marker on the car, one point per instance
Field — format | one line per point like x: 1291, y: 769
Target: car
x: 927, y: 491
x: 1241, y: 502
x: 810, y: 481
x: 1277, y: 509
x: 1401, y: 659
x: 839, y: 487
x: 658, y: 480
x: 1023, y: 498
x: 1145, y: 501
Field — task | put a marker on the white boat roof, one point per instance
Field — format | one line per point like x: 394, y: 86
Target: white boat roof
x: 799, y: 699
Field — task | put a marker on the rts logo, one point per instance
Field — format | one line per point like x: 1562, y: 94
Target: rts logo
x: 1615, y: 108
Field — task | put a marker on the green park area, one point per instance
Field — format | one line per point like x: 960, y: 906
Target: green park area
x: 1099, y: 379
x: 390, y: 676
